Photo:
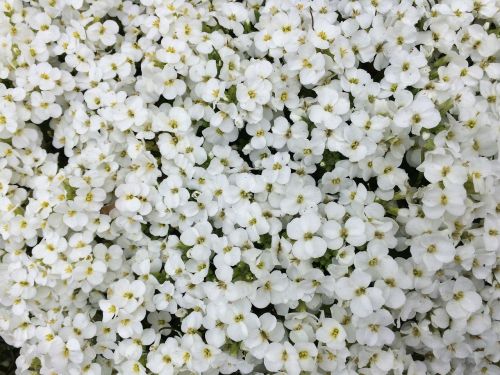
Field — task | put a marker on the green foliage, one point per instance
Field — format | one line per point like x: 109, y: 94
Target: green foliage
x: 35, y: 365
x: 231, y: 94
x: 232, y: 347
x: 70, y: 190
x: 323, y: 262
x: 242, y: 272
x: 265, y: 241
x: 8, y: 355
x: 160, y: 276
x: 330, y: 159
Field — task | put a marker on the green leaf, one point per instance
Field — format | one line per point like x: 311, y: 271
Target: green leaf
x: 70, y: 190
x: 242, y: 272
x: 231, y: 94
x: 160, y: 276
x: 143, y: 360
x: 265, y: 240
x: 248, y: 27
x: 257, y: 15
x: 330, y: 158
x: 182, y: 247
x: 445, y: 106
x: 35, y: 365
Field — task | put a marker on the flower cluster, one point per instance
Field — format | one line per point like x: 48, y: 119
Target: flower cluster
x: 278, y: 186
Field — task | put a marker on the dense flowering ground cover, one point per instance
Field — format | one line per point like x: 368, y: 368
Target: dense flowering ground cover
x: 293, y: 186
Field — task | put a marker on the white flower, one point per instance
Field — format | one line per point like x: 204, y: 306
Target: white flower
x: 437, y: 201
x: 342, y: 52
x: 388, y: 173
x: 132, y: 367
x: 250, y: 217
x: 48, y: 250
x: 253, y: 93
x: 199, y: 238
x: 299, y: 196
x: 282, y: 356
x: 354, y: 145
x: 330, y: 108
x: 353, y: 232
x: 364, y: 300
x: 131, y: 113
x: 421, y: 113
x: 128, y: 295
x: 43, y: 106
x: 303, y: 231
x: 104, y: 32
x: 492, y: 233
x: 331, y: 333
x: 307, y: 353
x: 92, y: 273
x: 63, y: 353
x: 438, y: 167
x: 405, y: 67
x: 310, y: 64
x: 245, y: 187
x: 462, y: 298
x: 172, y: 85
x: 128, y: 198
x: 212, y: 91
x: 432, y: 250
x: 273, y: 290
x: 373, y: 331
x: 323, y: 34
x: 276, y: 168
x: 240, y: 321
x: 161, y: 361
x: 270, y: 330
x: 171, y: 50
